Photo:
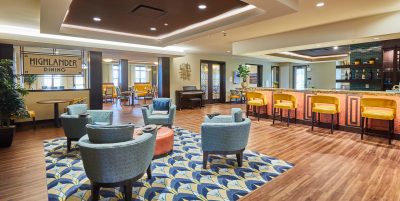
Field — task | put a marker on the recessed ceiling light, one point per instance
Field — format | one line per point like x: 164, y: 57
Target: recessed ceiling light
x: 155, y: 63
x: 228, y: 51
x: 202, y: 6
x: 153, y: 29
x: 96, y: 19
x: 318, y: 45
x: 165, y: 24
x: 336, y: 47
x: 376, y: 38
x: 320, y: 4
x: 107, y: 60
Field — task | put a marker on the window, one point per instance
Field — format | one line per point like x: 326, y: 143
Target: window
x: 52, y: 82
x: 115, y: 75
x: 141, y: 74
x: 79, y: 82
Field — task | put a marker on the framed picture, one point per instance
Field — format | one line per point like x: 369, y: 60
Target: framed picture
x: 253, y: 78
x: 236, y: 77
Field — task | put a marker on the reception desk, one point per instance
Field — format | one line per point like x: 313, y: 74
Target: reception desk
x: 349, y: 117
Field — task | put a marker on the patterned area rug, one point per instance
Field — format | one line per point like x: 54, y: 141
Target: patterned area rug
x: 178, y: 176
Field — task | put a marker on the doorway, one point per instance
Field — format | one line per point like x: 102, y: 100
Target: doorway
x: 212, y: 81
x: 300, y: 77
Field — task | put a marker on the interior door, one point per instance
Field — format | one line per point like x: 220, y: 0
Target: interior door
x: 212, y: 81
x: 299, y: 77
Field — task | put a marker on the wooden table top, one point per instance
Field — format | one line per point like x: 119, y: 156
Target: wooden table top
x: 52, y: 101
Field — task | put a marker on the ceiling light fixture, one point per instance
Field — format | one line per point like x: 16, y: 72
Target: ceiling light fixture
x: 376, y: 38
x: 202, y: 6
x: 155, y: 63
x: 153, y: 29
x: 228, y: 51
x: 165, y: 24
x: 320, y: 4
x: 107, y: 60
x: 335, y: 47
x: 96, y: 19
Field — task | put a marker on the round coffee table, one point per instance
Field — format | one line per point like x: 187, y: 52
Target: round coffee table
x: 164, y: 142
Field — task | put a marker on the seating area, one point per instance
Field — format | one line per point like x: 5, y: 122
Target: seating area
x: 222, y: 100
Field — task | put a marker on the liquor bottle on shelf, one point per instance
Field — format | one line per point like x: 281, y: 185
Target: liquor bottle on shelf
x: 356, y: 74
x: 377, y: 74
x: 351, y: 75
x: 346, y: 76
x: 371, y: 74
x: 363, y: 75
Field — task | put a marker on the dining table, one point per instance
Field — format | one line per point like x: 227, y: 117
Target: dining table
x: 56, y: 103
x: 132, y: 95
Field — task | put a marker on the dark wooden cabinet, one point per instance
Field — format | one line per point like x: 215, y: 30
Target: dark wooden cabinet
x: 391, y: 67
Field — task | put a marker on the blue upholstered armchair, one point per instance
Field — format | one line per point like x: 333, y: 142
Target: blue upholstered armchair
x: 111, y: 157
x: 161, y: 112
x: 225, y: 134
x: 74, y: 123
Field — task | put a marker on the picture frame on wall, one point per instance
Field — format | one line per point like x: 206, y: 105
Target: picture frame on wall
x: 253, y: 78
x: 236, y: 77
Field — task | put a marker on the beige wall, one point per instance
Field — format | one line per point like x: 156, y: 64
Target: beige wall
x: 231, y: 62
x: 323, y: 75
x: 46, y: 111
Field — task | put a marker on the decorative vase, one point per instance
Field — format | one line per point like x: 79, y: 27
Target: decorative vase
x: 6, y: 135
x: 244, y: 84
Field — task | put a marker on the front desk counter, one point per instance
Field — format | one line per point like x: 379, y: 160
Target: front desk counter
x: 349, y: 117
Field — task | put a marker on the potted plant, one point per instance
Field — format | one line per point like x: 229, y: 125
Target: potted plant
x: 276, y: 84
x: 29, y: 80
x: 244, y: 73
x: 11, y: 102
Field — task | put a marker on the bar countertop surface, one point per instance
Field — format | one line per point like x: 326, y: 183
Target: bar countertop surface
x: 330, y: 91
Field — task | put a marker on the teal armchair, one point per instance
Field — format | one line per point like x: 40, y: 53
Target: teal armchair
x: 225, y: 134
x: 112, y: 157
x: 74, y: 124
x: 152, y: 114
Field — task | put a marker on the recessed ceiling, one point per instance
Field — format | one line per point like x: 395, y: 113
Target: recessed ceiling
x: 326, y: 51
x: 138, y: 16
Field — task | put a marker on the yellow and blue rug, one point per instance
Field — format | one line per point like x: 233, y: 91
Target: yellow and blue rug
x: 178, y: 176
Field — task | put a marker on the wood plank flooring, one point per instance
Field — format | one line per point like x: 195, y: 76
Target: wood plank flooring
x: 335, y: 166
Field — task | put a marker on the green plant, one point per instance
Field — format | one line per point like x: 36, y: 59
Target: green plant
x: 29, y: 80
x: 11, y: 101
x: 243, y: 72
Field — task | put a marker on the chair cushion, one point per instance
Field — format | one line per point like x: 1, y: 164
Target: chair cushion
x: 110, y: 134
x: 284, y: 105
x: 237, y: 115
x: 378, y: 114
x: 161, y: 104
x: 156, y: 112
x: 234, y: 96
x: 31, y: 113
x: 255, y: 102
x: 325, y: 109
x: 76, y: 109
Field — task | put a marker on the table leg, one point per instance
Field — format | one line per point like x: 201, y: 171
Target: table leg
x: 56, y: 116
x: 133, y: 99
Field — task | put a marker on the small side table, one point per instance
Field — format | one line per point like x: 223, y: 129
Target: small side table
x: 55, y: 102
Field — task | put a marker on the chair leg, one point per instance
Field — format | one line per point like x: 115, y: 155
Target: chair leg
x: 95, y: 192
x: 247, y: 110
x: 266, y: 111
x: 239, y: 158
x: 332, y: 116
x: 295, y: 116
x: 34, y: 122
x: 319, y: 118
x: 312, y: 120
x: 366, y: 124
x: 288, y: 117
x: 390, y: 132
x: 68, y: 145
x: 149, y: 172
x: 337, y: 121
x: 258, y: 112
x: 128, y: 191
x: 362, y: 128
x: 205, y: 158
x: 273, y: 115
x: 280, y: 113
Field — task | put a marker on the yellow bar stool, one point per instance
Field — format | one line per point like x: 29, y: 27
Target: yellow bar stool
x: 325, y: 105
x: 378, y: 108
x: 284, y: 101
x: 257, y: 100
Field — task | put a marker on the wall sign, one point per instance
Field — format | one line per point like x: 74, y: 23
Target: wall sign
x: 43, y: 64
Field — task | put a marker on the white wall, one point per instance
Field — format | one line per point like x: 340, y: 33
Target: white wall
x: 231, y: 63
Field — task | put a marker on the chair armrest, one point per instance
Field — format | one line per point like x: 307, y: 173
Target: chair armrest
x: 225, y: 136
x: 104, y: 116
x: 146, y: 112
x: 171, y: 113
x: 74, y: 125
x: 218, y: 119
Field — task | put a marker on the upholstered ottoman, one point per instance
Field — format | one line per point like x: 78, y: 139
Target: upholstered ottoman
x: 164, y: 142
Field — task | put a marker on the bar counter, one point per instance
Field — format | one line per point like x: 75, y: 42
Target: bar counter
x: 349, y: 117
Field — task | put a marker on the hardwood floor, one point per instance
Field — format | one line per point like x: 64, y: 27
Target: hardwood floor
x: 335, y: 166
